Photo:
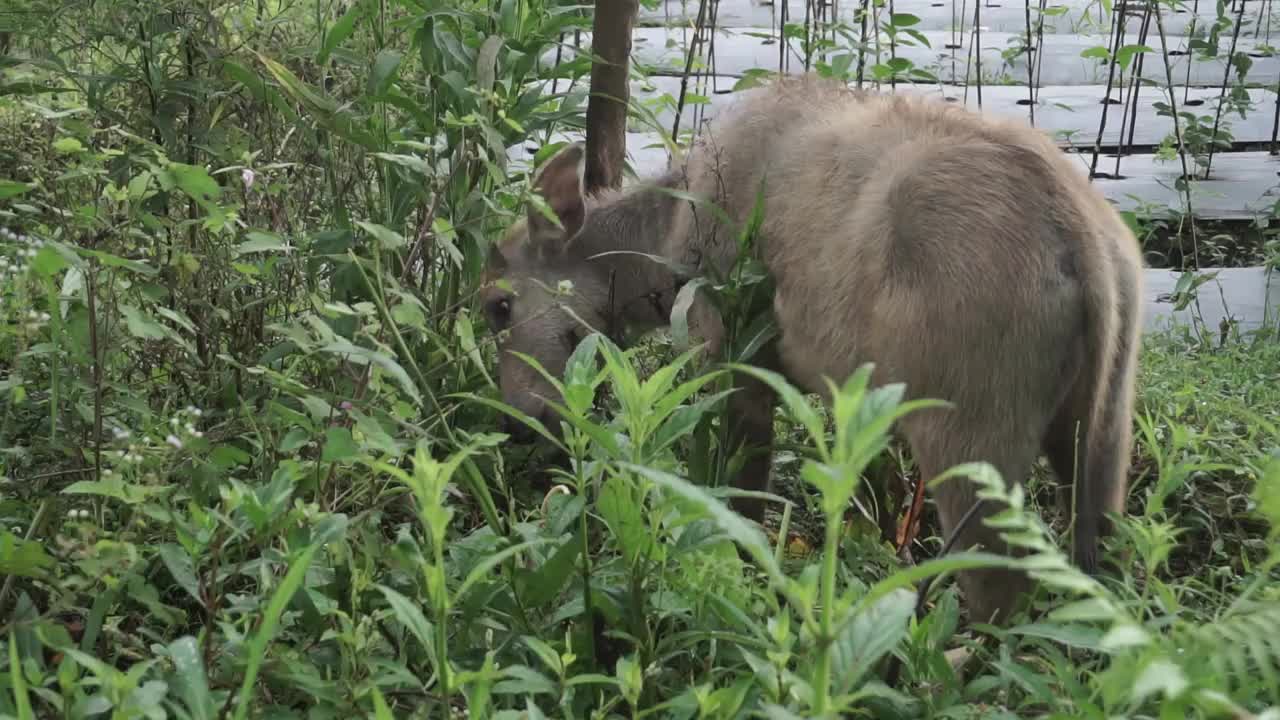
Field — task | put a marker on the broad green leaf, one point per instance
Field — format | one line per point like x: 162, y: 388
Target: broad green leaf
x: 1033, y: 683
x: 680, y: 313
x: 11, y: 188
x: 1124, y: 636
x: 445, y: 236
x: 533, y: 423
x: 685, y: 419
x: 384, y: 68
x: 492, y: 561
x: 486, y: 62
x: 324, y: 109
x: 409, y: 613
x: 745, y: 534
x: 187, y: 681
x: 1089, y: 609
x: 1080, y: 636
x: 342, y: 347
x: 409, y: 313
x: 388, y: 238
x: 48, y: 262
x: 1162, y: 677
x: 180, y: 566
x: 141, y: 325
x: 177, y: 318
x: 18, y: 681
x: 68, y: 146
x: 623, y: 513
x: 27, y: 87
x: 380, y: 709
x: 545, y: 653
x: 297, y: 88
x: 338, y: 445
x: 548, y: 580
x: 340, y: 31
x: 920, y: 38
x: 412, y: 162
x: 260, y: 241
x: 467, y: 338
x: 139, y: 185
x: 1125, y: 54
x: 872, y: 633
x: 195, y: 182
x: 580, y: 369
x: 114, y: 487
x: 72, y: 289
x: 22, y: 558
x: 523, y: 680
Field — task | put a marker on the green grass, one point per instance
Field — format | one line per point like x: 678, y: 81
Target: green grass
x: 249, y: 459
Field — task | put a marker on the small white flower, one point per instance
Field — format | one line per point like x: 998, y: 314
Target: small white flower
x: 247, y: 176
x: 174, y: 441
x: 174, y: 421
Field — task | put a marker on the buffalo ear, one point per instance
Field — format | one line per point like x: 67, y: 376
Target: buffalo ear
x: 560, y: 183
x: 496, y: 264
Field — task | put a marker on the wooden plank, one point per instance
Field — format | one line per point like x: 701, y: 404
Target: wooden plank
x: 1062, y: 16
x: 1071, y: 112
x: 736, y: 52
x: 1249, y: 296
x: 1242, y: 186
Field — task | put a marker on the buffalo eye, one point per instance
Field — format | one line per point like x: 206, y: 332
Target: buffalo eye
x: 499, y: 312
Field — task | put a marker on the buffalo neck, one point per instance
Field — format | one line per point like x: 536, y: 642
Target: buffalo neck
x: 627, y: 233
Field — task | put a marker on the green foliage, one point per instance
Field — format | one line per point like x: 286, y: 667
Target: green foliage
x: 249, y: 453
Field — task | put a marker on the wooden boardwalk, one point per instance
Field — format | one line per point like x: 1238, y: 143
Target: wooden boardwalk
x: 1059, y: 16
x: 977, y: 53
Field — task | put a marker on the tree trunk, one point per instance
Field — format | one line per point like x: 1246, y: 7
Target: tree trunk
x: 610, y: 93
